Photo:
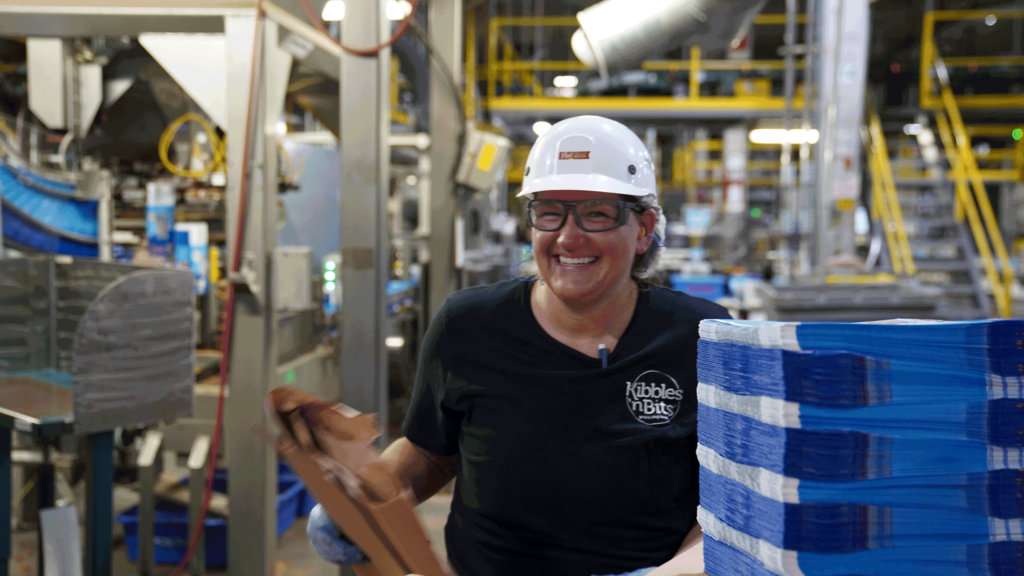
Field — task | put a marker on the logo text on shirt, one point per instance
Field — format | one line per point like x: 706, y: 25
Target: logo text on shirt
x: 653, y: 398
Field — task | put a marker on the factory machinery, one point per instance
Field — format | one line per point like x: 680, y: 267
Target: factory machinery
x: 796, y: 188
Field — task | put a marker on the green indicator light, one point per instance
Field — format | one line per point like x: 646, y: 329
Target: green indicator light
x: 330, y: 265
x: 1018, y: 133
x: 329, y: 286
x: 289, y: 377
x: 755, y: 212
x: 329, y: 276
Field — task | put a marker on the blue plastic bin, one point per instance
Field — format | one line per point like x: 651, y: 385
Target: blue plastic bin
x: 171, y: 535
x: 171, y: 524
x: 712, y: 286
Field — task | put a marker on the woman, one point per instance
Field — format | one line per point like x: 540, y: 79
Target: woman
x: 566, y: 407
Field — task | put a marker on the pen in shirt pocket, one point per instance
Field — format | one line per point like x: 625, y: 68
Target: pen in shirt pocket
x: 602, y: 351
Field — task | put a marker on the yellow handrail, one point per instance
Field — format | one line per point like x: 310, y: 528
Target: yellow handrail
x: 501, y: 63
x: 880, y: 208
x: 469, y: 98
x: 968, y: 164
x: 999, y: 292
x: 930, y: 53
x: 890, y: 202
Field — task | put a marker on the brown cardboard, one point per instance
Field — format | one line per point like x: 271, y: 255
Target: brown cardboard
x: 330, y: 446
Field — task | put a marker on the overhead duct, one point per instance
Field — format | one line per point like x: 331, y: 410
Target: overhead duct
x: 616, y: 34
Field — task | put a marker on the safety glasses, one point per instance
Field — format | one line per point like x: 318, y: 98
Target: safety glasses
x: 590, y: 215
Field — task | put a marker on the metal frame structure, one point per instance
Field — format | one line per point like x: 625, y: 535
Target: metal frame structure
x: 929, y: 100
x: 254, y: 32
x: 507, y: 68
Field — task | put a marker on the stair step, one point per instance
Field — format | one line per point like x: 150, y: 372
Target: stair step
x: 959, y: 289
x: 933, y: 223
x: 941, y: 265
x: 934, y: 242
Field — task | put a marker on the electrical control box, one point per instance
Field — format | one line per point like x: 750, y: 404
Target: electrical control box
x: 483, y: 160
x: 293, y: 272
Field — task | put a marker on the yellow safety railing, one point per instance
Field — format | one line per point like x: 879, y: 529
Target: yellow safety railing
x: 930, y: 54
x: 685, y: 166
x: 469, y: 97
x: 885, y: 201
x: 965, y: 169
x: 501, y: 64
x: 1012, y: 155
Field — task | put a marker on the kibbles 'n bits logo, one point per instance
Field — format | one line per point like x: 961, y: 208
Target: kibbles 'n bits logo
x: 585, y: 155
x: 653, y: 398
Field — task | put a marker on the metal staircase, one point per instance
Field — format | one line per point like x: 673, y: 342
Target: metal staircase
x: 915, y: 203
x: 941, y: 215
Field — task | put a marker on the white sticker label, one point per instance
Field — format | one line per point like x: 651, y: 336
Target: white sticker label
x: 297, y: 46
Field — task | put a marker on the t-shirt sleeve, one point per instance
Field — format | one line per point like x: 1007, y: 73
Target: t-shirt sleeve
x: 431, y: 423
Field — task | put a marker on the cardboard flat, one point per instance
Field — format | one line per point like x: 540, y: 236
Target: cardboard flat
x: 330, y: 446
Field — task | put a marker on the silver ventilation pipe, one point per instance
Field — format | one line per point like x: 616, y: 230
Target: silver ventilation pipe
x: 621, y: 33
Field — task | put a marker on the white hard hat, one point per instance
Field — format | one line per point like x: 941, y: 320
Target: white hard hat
x: 590, y: 153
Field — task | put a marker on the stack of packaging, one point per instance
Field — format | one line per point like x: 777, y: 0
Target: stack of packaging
x: 885, y: 448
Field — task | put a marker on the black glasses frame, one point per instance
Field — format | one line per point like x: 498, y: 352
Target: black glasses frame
x: 624, y: 209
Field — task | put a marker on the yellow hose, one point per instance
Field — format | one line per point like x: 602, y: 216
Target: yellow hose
x: 217, y: 146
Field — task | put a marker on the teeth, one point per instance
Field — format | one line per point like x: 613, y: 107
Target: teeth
x: 576, y: 261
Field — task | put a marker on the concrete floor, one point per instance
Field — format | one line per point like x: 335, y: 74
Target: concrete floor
x: 294, y: 555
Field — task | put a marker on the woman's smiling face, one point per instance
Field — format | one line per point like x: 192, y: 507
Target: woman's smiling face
x: 584, y: 267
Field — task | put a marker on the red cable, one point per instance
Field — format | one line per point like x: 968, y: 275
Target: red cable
x: 211, y: 469
x: 236, y: 259
x: 311, y: 14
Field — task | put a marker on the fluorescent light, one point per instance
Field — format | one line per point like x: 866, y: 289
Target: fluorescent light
x: 991, y: 19
x: 912, y: 129
x: 779, y: 135
x: 394, y: 341
x: 330, y: 265
x: 540, y: 127
x: 334, y: 11
x: 329, y: 286
x: 397, y: 9
x: 566, y: 81
x: 330, y: 276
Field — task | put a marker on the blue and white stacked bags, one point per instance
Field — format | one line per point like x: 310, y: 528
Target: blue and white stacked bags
x: 880, y: 449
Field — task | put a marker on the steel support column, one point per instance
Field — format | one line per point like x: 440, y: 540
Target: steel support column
x: 445, y: 27
x: 99, y: 504
x: 365, y: 156
x: 845, y: 33
x: 5, y: 502
x: 252, y: 539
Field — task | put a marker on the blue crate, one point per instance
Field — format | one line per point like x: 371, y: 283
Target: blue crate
x: 170, y: 535
x: 712, y: 286
x: 171, y: 523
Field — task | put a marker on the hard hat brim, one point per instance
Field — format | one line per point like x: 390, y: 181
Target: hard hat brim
x: 583, y: 183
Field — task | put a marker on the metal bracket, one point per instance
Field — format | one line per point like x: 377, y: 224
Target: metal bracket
x: 146, y: 462
x: 798, y: 50
x: 197, y: 462
x: 248, y: 274
x: 941, y: 73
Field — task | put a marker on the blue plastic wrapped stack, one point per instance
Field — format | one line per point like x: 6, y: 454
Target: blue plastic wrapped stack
x: 886, y: 448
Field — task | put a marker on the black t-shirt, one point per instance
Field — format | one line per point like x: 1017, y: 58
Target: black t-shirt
x: 565, y: 468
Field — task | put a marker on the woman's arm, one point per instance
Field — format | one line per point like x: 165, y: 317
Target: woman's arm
x: 688, y: 560
x: 425, y: 471
x: 696, y: 536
